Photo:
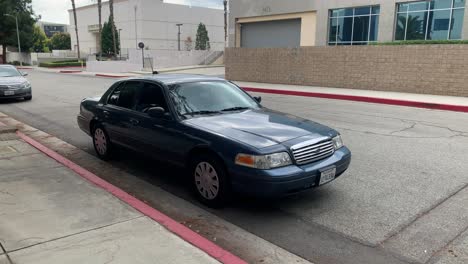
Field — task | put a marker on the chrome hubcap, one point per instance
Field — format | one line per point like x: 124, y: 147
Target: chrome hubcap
x: 207, y: 180
x: 100, y: 141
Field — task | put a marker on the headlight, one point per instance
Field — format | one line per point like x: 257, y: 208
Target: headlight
x: 338, y: 142
x: 264, y: 162
x: 24, y: 85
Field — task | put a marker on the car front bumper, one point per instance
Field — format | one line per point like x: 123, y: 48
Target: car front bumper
x: 287, y: 180
x: 19, y: 93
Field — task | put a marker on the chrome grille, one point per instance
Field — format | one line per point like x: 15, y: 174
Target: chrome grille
x: 3, y: 88
x: 311, y: 151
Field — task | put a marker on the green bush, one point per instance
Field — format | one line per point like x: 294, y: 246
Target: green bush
x: 420, y: 42
x: 58, y: 64
x: 17, y: 63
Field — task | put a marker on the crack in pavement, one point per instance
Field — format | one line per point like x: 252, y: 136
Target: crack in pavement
x: 74, y: 234
x: 5, y: 253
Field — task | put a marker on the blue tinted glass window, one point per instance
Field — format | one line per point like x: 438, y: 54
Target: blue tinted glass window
x: 458, y: 3
x: 362, y: 11
x: 430, y: 20
x: 457, y: 24
x: 418, y: 6
x: 441, y: 4
x: 438, y: 26
x: 352, y: 26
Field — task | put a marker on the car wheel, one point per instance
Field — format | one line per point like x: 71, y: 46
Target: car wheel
x: 28, y: 98
x: 210, y: 180
x: 101, y: 143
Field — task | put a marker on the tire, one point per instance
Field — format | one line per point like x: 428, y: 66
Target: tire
x: 28, y: 98
x: 101, y: 143
x: 210, y: 181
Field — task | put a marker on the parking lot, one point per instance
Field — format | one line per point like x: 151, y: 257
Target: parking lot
x: 402, y: 200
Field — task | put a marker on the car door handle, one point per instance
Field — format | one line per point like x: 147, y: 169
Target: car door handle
x: 106, y: 113
x: 134, y: 121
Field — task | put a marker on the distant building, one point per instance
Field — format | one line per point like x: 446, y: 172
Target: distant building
x: 152, y: 22
x: 51, y: 28
x: 279, y: 23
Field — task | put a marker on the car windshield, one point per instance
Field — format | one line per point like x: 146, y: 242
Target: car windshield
x: 212, y: 97
x: 9, y: 72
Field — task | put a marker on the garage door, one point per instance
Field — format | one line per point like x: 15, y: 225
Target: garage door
x: 271, y: 34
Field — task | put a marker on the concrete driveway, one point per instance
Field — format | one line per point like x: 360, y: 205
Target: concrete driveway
x: 402, y: 200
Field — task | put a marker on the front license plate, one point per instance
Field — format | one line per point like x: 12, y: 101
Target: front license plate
x: 327, y: 176
x: 9, y: 93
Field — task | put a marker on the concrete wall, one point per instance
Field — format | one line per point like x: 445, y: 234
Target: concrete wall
x: 155, y: 24
x: 425, y: 69
x: 169, y: 58
x: 248, y: 8
x: 112, y: 66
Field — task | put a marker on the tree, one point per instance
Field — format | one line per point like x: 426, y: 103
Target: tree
x: 202, y: 41
x: 107, y: 40
x: 112, y: 22
x: 60, y: 41
x: 76, y: 29
x: 39, y: 40
x: 26, y: 19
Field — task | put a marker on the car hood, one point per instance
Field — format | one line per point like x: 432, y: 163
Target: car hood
x: 261, y: 128
x: 12, y: 80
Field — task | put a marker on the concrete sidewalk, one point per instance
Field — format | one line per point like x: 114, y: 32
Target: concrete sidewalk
x: 49, y: 214
x: 425, y: 98
x: 199, y: 69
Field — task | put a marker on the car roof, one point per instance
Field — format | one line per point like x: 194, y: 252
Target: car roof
x: 174, y: 78
x: 7, y: 66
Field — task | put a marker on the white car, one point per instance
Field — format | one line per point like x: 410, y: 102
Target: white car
x: 13, y: 84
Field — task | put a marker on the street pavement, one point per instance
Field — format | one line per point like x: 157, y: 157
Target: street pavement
x: 403, y: 199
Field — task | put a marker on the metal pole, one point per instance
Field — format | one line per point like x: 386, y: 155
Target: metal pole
x: 178, y: 35
x: 120, y: 44
x: 19, y: 43
x: 143, y: 57
x: 136, y: 34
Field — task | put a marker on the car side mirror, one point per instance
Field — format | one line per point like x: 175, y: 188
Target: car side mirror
x: 156, y: 112
x: 24, y: 73
x: 258, y: 99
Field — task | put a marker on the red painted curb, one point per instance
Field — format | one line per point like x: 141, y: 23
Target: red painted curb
x: 111, y: 76
x: 454, y: 108
x: 70, y: 71
x: 182, y: 231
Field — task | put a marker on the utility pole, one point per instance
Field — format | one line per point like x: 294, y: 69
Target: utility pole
x: 225, y: 21
x: 120, y: 44
x: 19, y: 42
x: 136, y: 34
x: 178, y: 35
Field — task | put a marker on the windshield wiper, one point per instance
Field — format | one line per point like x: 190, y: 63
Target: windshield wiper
x: 205, y: 112
x: 237, y: 108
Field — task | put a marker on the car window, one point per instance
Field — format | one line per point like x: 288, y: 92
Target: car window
x: 150, y: 95
x: 124, y: 95
x: 209, y: 96
x: 9, y: 72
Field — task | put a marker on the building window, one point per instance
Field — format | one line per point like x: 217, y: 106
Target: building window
x: 430, y: 20
x: 353, y: 26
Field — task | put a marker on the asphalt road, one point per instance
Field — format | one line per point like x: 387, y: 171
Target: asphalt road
x: 406, y: 185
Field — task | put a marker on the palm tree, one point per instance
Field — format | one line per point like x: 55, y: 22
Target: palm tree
x: 99, y: 3
x: 76, y: 29
x: 413, y: 26
x: 111, y: 9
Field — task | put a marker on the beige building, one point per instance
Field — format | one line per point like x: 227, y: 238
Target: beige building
x: 292, y: 23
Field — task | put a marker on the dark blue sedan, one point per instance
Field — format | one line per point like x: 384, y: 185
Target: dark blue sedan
x: 226, y: 139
